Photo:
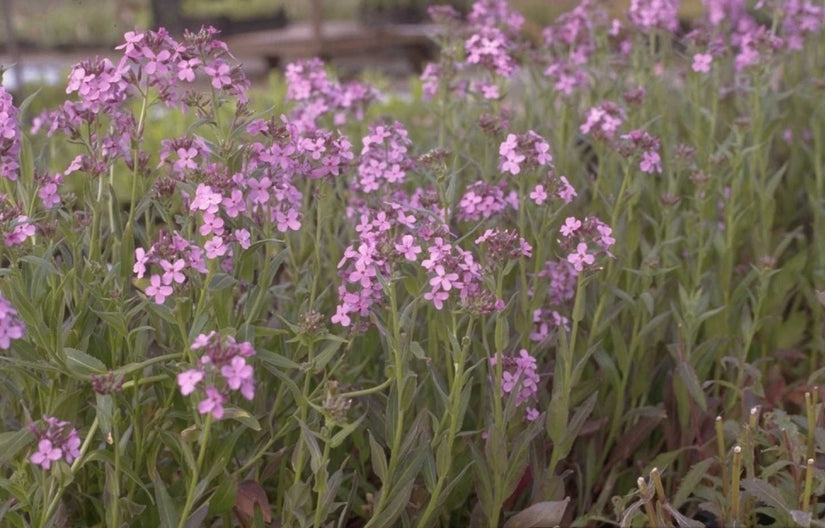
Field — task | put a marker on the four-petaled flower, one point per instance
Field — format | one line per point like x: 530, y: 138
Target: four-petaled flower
x: 46, y: 454
x: 236, y: 372
x: 157, y: 289
x: 188, y: 380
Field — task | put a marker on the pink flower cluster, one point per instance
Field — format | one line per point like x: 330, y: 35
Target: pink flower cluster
x: 152, y: 63
x: 488, y: 46
x: 502, y: 245
x: 574, y: 33
x: 58, y: 440
x: 603, y: 120
x: 316, y: 94
x: 11, y: 327
x: 639, y: 142
x: 560, y: 277
x: 567, y: 75
x: 403, y: 234
x: 482, y: 200
x: 520, y: 378
x: 384, y: 158
x: 648, y: 15
x: 526, y: 151
x: 553, y: 186
x: 174, y: 256
x: 223, y: 368
x: 15, y: 226
x: 720, y: 10
x: 585, y: 239
x: 9, y: 137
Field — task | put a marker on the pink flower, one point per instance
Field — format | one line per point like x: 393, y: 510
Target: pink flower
x: 437, y: 298
x: 188, y: 380
x: 571, y: 225
x: 236, y: 372
x: 701, y: 62
x: 141, y: 257
x: 581, y: 257
x: 538, y: 195
x: 172, y: 272
x: 186, y: 69
x: 341, y: 316
x: 213, y: 403
x: 443, y: 280
x: 651, y: 162
x: 157, y: 289
x: 46, y: 454
x: 408, y: 248
x: 215, y: 247
x: 219, y: 72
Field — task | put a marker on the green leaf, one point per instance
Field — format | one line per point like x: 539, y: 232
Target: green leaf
x: 242, y: 416
x: 221, y: 281
x: 692, y: 479
x: 105, y: 406
x: 345, y: 431
x: 13, y: 442
x: 688, y: 377
x: 41, y: 264
x: 82, y: 364
x: 167, y: 511
x: 378, y: 459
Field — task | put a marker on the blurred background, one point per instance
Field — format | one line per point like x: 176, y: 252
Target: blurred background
x: 40, y: 39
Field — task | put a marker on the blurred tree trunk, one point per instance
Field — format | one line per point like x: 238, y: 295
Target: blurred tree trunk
x: 167, y: 13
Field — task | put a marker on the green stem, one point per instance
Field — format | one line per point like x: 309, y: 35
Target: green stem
x: 193, y: 481
x: 456, y: 417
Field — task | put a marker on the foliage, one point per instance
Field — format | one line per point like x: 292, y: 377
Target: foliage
x: 573, y: 282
